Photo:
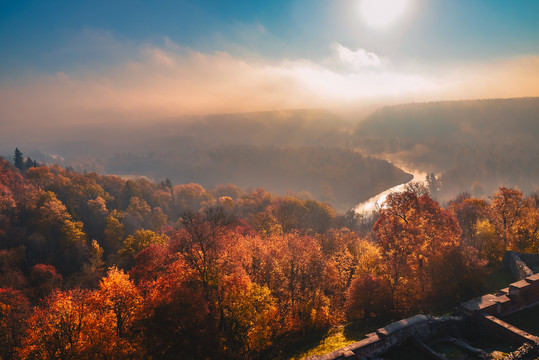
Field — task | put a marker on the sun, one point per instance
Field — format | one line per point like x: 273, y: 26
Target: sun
x: 381, y: 13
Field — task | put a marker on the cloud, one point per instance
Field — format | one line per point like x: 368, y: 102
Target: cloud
x: 336, y: 87
x: 170, y: 80
x: 358, y: 59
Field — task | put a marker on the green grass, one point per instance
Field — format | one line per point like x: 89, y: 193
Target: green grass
x: 334, y: 339
x: 322, y: 343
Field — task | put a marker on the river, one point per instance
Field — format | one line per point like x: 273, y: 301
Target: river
x: 371, y: 204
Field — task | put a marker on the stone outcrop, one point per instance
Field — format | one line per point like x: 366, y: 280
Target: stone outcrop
x: 526, y: 351
x: 518, y: 263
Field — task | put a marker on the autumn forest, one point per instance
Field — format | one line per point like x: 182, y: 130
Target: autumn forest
x: 98, y: 267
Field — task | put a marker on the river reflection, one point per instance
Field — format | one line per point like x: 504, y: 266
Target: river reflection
x: 377, y: 200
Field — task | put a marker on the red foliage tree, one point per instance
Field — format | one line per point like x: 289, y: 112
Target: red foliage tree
x: 43, y: 280
x: 179, y: 323
x: 14, y: 310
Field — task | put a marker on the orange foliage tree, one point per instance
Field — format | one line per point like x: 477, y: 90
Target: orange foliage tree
x: 178, y: 323
x: 516, y: 220
x: 57, y: 329
x: 416, y: 237
x: 293, y: 268
x: 79, y: 324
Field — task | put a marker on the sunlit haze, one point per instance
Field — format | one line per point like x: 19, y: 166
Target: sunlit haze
x: 381, y: 13
x: 127, y: 61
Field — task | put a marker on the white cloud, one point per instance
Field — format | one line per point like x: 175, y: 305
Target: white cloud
x: 358, y: 59
x: 332, y: 86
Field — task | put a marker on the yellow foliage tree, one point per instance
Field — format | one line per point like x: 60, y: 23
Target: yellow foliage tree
x: 56, y: 330
x: 134, y: 244
x: 119, y: 296
x: 491, y: 246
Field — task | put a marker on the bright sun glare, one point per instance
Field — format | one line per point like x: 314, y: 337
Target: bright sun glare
x: 381, y: 13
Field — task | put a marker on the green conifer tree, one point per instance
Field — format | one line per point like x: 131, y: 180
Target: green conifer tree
x: 18, y: 160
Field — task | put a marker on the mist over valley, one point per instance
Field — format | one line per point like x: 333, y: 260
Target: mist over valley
x: 471, y: 146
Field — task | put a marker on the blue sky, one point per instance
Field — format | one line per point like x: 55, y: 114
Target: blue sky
x: 438, y: 30
x: 320, y: 52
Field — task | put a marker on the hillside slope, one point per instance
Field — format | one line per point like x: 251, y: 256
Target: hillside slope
x: 475, y: 145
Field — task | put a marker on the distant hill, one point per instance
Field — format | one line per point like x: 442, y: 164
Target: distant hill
x: 500, y: 120
x: 477, y: 144
x: 303, y: 127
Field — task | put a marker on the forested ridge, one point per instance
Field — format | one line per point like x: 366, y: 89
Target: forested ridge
x: 98, y: 267
x: 474, y: 145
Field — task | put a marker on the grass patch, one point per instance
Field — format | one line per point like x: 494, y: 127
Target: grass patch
x: 334, y: 339
x: 321, y: 343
